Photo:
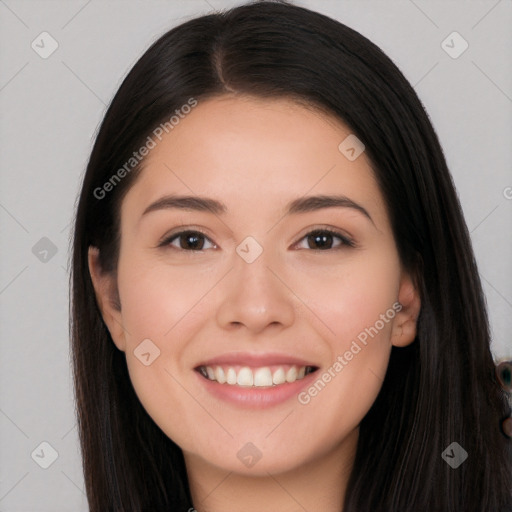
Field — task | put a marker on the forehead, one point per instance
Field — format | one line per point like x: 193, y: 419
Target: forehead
x: 256, y: 153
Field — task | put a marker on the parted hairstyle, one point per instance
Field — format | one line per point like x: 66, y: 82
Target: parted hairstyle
x: 440, y: 389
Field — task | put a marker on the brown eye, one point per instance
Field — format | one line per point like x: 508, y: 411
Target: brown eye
x: 188, y: 241
x: 325, y: 239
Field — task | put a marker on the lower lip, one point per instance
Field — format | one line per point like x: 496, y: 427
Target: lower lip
x: 256, y: 397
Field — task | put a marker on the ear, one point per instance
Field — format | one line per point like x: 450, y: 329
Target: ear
x: 107, y: 298
x: 405, y: 323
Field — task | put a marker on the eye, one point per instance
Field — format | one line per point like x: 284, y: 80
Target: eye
x: 188, y: 241
x: 318, y: 239
x: 322, y: 239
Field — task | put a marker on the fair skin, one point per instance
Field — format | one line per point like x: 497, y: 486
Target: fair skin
x: 255, y: 156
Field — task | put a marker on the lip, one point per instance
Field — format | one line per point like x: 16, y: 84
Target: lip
x: 255, y: 360
x: 255, y: 397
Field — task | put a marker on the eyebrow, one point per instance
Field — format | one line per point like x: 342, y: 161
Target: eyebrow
x: 300, y: 205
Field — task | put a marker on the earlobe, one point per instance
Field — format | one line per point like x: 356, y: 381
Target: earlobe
x: 107, y: 298
x: 405, y: 323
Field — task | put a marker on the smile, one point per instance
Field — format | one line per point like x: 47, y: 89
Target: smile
x: 255, y: 380
x: 261, y: 377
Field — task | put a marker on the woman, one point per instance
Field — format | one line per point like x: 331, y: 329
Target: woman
x: 275, y: 301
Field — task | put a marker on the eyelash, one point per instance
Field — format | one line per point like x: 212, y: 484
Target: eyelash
x: 345, y: 241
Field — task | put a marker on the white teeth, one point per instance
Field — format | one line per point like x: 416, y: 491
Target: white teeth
x: 279, y: 376
x: 231, y: 376
x: 219, y: 375
x: 258, y: 377
x: 263, y: 377
x: 291, y: 374
x: 245, y: 377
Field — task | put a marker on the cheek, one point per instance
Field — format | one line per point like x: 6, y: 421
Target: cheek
x: 355, y: 306
x: 156, y: 299
x: 159, y: 318
x: 353, y: 298
x: 168, y: 306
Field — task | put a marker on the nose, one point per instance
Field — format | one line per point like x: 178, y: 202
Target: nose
x: 255, y: 296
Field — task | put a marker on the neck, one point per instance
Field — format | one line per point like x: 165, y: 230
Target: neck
x: 319, y: 484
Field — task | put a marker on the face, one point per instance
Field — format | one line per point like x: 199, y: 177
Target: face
x: 293, y: 301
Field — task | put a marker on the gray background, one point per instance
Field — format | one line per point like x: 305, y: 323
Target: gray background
x: 51, y: 109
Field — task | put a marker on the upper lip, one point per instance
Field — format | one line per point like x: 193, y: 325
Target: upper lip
x: 255, y: 359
